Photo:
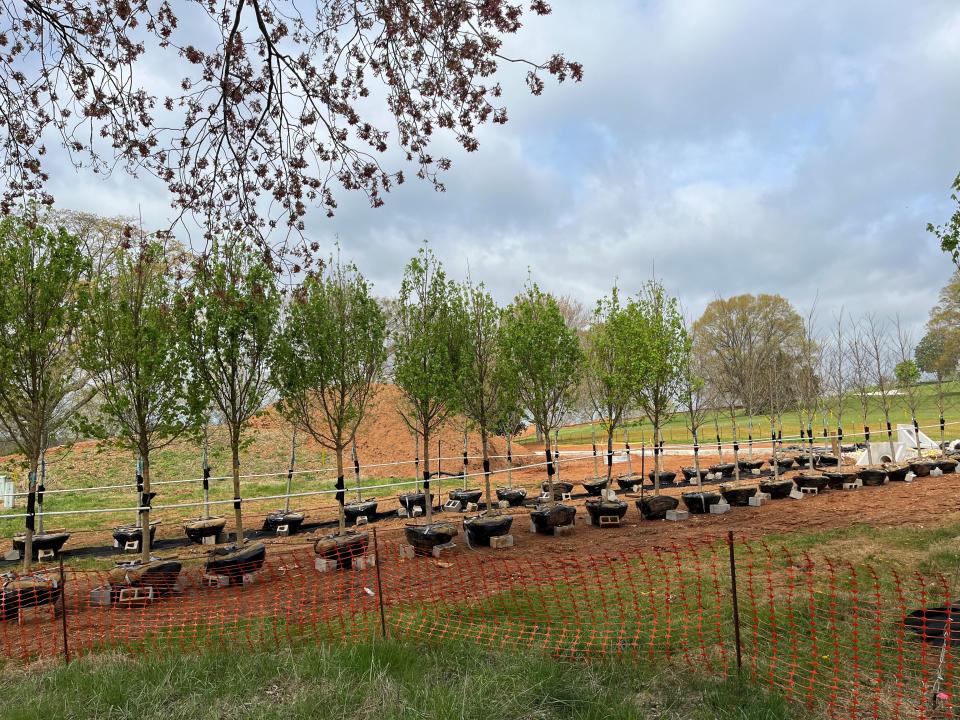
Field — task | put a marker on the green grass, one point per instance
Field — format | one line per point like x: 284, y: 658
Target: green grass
x: 384, y: 680
x: 675, y: 431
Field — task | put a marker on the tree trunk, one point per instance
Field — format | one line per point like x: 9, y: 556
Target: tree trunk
x: 145, y: 529
x: 656, y: 458
x: 626, y: 443
x: 237, y: 512
x: 428, y: 503
x: 610, y: 453
x: 486, y: 466
x: 773, y: 448
x: 510, y: 461
x: 546, y: 446
x: 696, y: 458
x: 31, y: 506
x: 342, y: 518
x: 596, y: 460
x: 893, y: 452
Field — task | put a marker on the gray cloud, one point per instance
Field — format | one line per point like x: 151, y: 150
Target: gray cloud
x: 794, y: 147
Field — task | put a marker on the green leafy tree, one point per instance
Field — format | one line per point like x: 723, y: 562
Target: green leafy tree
x: 228, y: 312
x: 42, y: 276
x: 949, y: 233
x: 428, y: 351
x: 693, y: 397
x: 328, y: 359
x: 544, y: 356
x: 608, y: 368
x: 660, y: 348
x: 132, y: 349
x: 488, y: 394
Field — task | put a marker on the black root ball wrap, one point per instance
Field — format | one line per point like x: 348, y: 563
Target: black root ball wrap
x: 736, y: 447
x: 464, y: 458
x: 206, y: 478
x: 802, y: 435
x: 609, y: 458
x: 656, y: 450
x: 31, y: 508
x: 549, y: 464
x: 145, y: 499
x: 356, y: 466
x: 594, y: 449
x: 486, y: 466
x: 139, y: 483
x: 889, y: 429
x: 839, y: 433
x: 340, y: 487
x: 40, y: 491
x: 866, y: 432
x: 426, y: 485
x: 236, y: 503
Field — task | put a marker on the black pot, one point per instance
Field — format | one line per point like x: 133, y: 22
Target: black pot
x: 778, y: 490
x: 291, y: 518
x: 897, y: 473
x: 27, y: 591
x: 483, y: 527
x: 472, y: 495
x: 947, y: 465
x: 415, y: 499
x: 161, y: 575
x: 342, y: 549
x: 872, y: 477
x: 654, y: 507
x: 594, y: 487
x: 815, y: 481
x: 425, y: 538
x: 748, y: 466
x: 41, y: 541
x: 514, y: 496
x: 629, y: 482
x: 700, y: 502
x: 724, y: 469
x: 782, y: 463
x: 361, y: 508
x: 836, y: 479
x: 826, y: 459
x: 738, y: 495
x: 803, y: 461
x: 202, y: 528
x: 559, y: 488
x: 604, y: 508
x: 545, y: 519
x: 922, y: 468
x: 665, y: 477
x: 690, y: 474
x: 936, y: 625
x: 236, y: 562
x: 131, y: 533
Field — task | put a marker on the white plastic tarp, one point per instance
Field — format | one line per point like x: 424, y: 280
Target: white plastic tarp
x: 904, y: 446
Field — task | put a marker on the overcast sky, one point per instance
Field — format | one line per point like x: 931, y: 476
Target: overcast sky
x: 745, y: 146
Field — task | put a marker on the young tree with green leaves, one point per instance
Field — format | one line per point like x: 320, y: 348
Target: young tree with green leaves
x: 608, y: 368
x: 228, y: 312
x: 660, y: 347
x: 428, y: 351
x: 544, y: 357
x: 328, y: 359
x: 132, y: 348
x: 42, y: 276
x: 693, y: 396
x: 487, y: 390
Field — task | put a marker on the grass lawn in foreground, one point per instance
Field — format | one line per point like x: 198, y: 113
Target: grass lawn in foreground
x: 384, y: 680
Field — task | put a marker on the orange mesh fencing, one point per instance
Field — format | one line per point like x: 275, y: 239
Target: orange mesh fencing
x: 826, y: 633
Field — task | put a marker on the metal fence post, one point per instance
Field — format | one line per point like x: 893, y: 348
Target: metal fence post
x: 736, y: 606
x: 376, y: 560
x: 63, y: 612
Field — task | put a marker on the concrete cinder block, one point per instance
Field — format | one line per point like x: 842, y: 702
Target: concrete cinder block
x: 216, y: 580
x: 471, y: 507
x: 810, y: 490
x: 533, y: 528
x: 608, y: 494
x: 416, y: 512
x: 757, y: 500
x: 100, y: 596
x: 283, y: 530
x: 324, y: 565
x: 501, y: 542
x: 12, y: 556
x: 936, y: 472
x: 563, y: 530
x: 407, y: 552
x: 796, y: 494
x: 208, y: 540
x: 720, y: 508
x: 445, y: 549
x: 362, y: 520
x: 503, y: 504
x: 677, y: 515
x: 402, y: 512
x: 364, y: 562
x: 755, y: 471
